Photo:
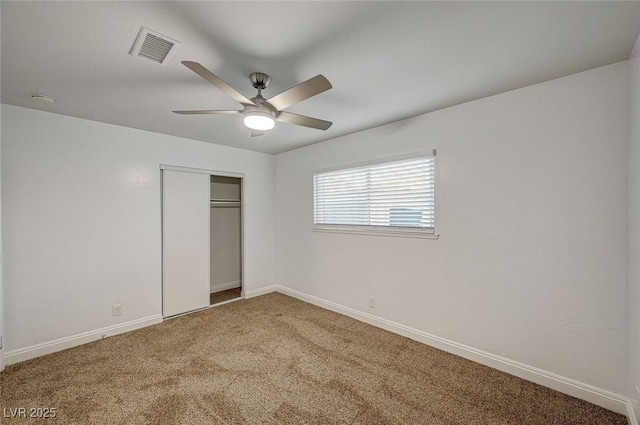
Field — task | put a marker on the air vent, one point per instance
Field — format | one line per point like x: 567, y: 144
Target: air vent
x: 154, y: 46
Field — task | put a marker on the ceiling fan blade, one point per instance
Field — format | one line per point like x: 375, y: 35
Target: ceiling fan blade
x: 256, y: 133
x: 303, y: 120
x: 217, y: 81
x: 207, y: 111
x: 302, y: 91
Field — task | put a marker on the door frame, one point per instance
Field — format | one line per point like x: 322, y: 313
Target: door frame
x: 209, y: 172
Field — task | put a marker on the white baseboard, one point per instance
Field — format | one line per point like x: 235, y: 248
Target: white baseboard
x: 22, y: 354
x: 597, y: 396
x: 632, y: 408
x: 224, y: 286
x: 37, y: 350
x: 260, y: 291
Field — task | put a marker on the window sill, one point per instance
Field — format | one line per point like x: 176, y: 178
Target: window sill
x: 379, y: 233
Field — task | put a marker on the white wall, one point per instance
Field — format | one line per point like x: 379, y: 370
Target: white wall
x: 634, y: 227
x: 531, y: 209
x: 81, y: 220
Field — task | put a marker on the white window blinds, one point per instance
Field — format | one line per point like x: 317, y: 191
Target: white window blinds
x: 390, y: 196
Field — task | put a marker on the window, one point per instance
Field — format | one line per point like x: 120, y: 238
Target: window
x: 392, y: 196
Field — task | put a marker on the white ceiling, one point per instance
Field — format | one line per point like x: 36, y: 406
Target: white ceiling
x: 386, y: 60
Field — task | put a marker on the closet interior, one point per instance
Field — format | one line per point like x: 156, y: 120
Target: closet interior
x: 225, y: 239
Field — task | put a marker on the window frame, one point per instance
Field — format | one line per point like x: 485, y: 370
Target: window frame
x: 397, y: 231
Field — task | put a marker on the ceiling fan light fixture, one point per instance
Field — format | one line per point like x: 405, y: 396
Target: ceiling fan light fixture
x: 259, y: 120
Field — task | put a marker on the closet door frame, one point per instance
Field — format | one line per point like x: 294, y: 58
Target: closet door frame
x: 210, y: 173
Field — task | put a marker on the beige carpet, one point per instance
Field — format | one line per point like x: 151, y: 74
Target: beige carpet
x: 226, y: 295
x: 275, y: 360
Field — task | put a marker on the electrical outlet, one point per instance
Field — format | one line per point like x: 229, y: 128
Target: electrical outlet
x: 372, y: 302
x: 117, y: 309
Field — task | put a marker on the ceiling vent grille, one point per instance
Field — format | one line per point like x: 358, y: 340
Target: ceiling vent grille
x: 154, y: 46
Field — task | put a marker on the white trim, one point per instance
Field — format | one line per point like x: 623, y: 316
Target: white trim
x: 226, y: 302
x: 189, y: 312
x: 391, y: 233
x: 631, y: 411
x: 600, y: 397
x: 241, y: 297
x: 201, y: 171
x: 429, y: 152
x: 261, y: 291
x: 22, y: 354
x: 224, y: 286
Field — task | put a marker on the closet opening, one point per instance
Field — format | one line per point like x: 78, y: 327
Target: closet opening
x: 202, y: 232
x: 225, y: 227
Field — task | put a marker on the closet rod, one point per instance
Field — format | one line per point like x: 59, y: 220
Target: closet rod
x: 224, y: 200
x: 224, y: 204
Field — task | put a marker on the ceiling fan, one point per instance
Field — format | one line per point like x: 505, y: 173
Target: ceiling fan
x: 260, y: 114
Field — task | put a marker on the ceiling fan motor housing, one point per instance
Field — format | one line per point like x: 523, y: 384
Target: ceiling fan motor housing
x: 259, y: 80
x: 261, y: 105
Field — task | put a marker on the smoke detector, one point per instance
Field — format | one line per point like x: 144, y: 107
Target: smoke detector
x: 154, y: 46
